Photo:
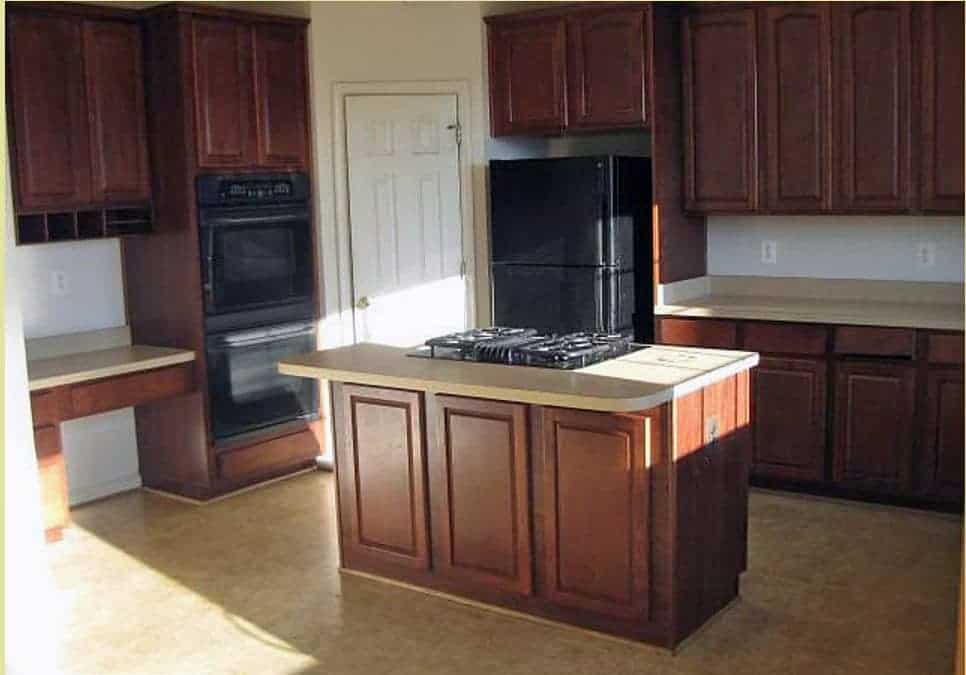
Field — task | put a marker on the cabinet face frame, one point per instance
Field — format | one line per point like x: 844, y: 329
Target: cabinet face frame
x: 444, y: 484
x: 356, y: 548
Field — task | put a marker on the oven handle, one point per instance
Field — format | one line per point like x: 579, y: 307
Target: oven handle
x: 260, y: 220
x: 251, y: 338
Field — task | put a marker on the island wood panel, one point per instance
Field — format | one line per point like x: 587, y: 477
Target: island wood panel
x: 115, y: 98
x: 527, y: 62
x: 941, y: 106
x: 943, y: 442
x: 873, y: 425
x: 221, y: 58
x: 679, y: 238
x: 596, y: 503
x: 794, y: 93
x: 789, y: 404
x: 479, y: 492
x: 720, y: 126
x: 281, y: 95
x: 606, y: 68
x: 49, y: 111
x: 872, y: 66
x: 53, y: 481
x: 710, y: 487
x: 382, y: 485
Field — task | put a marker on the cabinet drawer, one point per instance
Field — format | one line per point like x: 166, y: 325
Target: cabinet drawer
x: 712, y: 333
x: 48, y: 406
x: 865, y: 341
x: 270, y: 457
x: 128, y: 390
x: 946, y: 348
x: 784, y: 338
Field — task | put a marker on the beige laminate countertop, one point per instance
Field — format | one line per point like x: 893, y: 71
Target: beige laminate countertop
x: 636, y: 381
x: 93, y: 365
x: 830, y: 311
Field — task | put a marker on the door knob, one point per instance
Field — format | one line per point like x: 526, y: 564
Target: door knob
x: 362, y: 303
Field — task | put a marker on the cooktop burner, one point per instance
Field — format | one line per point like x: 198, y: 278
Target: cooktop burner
x: 527, y: 347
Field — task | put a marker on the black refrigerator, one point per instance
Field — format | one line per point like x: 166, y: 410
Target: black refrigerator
x: 570, y: 242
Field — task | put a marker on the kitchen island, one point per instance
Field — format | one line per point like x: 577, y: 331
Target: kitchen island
x: 613, y: 497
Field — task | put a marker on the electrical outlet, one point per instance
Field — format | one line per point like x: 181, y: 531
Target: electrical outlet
x: 58, y: 283
x: 926, y: 254
x: 769, y: 252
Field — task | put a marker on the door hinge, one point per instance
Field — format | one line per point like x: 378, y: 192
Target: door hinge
x: 459, y: 132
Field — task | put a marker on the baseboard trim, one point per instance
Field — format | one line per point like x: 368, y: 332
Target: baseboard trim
x: 90, y: 493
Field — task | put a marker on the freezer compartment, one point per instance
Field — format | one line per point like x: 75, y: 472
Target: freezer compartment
x: 564, y: 299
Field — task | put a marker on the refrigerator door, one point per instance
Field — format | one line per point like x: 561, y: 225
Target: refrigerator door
x: 554, y: 212
x: 564, y: 299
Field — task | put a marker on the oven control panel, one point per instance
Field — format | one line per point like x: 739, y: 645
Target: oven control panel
x: 221, y: 190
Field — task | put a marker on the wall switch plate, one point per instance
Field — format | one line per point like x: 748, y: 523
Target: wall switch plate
x: 926, y: 254
x: 769, y: 252
x: 58, y: 283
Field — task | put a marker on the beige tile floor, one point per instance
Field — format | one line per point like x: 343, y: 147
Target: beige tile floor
x: 250, y: 585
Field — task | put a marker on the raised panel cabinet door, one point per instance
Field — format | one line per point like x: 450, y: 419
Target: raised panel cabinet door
x: 720, y: 126
x: 793, y: 95
x: 527, y: 76
x: 872, y: 65
x: 944, y: 444
x: 280, y: 92
x: 48, y: 110
x: 789, y: 408
x: 873, y: 425
x: 223, y: 91
x: 606, y: 69
x: 479, y: 493
x: 115, y: 99
x: 381, y: 469
x: 595, y: 512
x: 941, y: 108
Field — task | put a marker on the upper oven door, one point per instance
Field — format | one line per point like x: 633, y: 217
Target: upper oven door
x: 255, y: 257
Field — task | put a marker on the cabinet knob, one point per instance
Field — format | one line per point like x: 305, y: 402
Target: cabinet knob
x: 362, y: 302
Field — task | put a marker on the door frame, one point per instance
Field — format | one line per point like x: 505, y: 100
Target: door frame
x: 341, y: 258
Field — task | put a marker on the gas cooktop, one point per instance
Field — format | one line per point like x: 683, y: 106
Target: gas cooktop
x: 527, y: 347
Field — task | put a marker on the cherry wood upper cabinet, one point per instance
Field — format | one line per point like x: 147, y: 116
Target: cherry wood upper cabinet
x: 595, y: 488
x: 874, y: 427
x: 872, y: 63
x: 115, y: 99
x: 794, y: 101
x: 720, y: 126
x: 49, y: 111
x: 606, y: 68
x: 527, y: 76
x: 223, y: 92
x: 281, y: 95
x: 941, y: 106
x: 788, y: 413
x: 480, y: 492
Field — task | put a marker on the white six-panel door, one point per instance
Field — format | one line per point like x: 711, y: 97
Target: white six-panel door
x: 404, y: 211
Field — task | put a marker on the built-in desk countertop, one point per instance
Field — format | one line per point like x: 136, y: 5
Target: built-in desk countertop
x: 94, y: 365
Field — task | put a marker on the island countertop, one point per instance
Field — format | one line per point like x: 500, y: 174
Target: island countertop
x: 637, y: 381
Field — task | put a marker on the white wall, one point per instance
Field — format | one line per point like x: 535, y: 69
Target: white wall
x: 100, y: 451
x: 837, y: 247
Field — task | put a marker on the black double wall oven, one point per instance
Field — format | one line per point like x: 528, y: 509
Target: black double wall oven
x: 258, y: 278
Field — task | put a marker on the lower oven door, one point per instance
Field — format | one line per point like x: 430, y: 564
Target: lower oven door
x: 246, y: 390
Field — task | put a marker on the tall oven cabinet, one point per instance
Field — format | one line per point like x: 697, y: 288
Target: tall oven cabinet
x: 226, y: 99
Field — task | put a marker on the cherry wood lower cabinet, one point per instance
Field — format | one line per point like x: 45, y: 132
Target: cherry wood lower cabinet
x: 943, y: 443
x: 633, y: 524
x: 789, y: 403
